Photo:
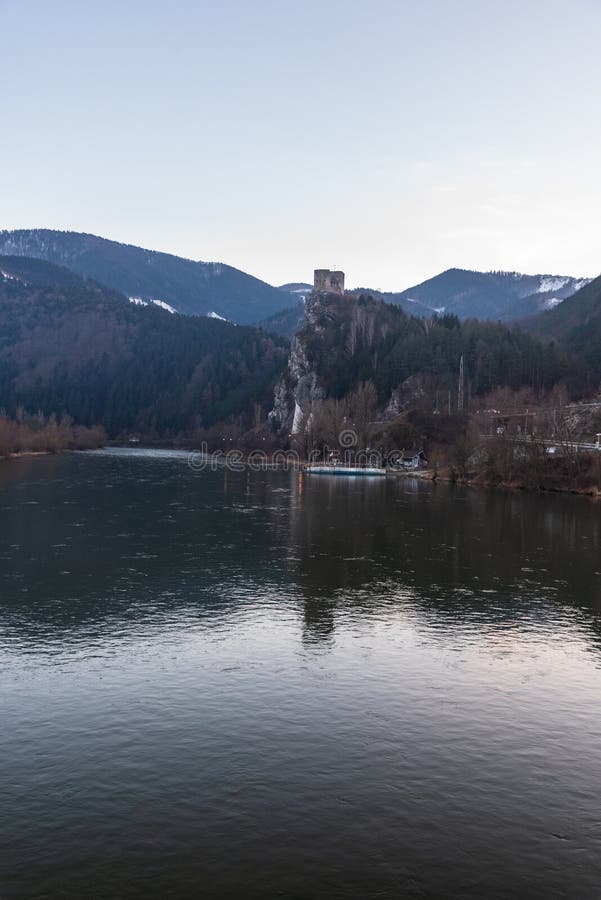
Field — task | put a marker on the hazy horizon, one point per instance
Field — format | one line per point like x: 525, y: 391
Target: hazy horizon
x: 309, y: 275
x: 389, y: 141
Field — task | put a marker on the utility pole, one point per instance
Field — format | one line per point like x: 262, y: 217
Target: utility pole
x: 460, y: 389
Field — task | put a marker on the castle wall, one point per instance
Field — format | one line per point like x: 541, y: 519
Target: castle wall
x: 328, y: 282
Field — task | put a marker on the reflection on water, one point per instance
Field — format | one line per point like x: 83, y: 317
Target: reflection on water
x: 277, y: 684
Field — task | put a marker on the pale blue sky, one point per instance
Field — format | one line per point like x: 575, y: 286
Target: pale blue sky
x: 390, y: 139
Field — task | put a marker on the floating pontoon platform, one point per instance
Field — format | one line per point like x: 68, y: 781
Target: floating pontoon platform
x: 344, y: 470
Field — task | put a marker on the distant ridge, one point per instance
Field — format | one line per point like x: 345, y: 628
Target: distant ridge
x: 195, y: 288
x: 205, y: 288
x: 498, y: 295
x: 285, y: 323
x: 300, y: 289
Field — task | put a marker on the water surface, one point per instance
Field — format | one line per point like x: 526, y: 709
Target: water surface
x: 256, y: 684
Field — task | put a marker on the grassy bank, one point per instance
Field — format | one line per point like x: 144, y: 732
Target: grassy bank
x: 40, y: 434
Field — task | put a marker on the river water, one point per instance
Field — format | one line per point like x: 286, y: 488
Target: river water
x: 267, y: 684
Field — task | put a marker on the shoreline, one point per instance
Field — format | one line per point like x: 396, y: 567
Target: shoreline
x: 475, y: 481
x: 431, y: 475
x: 593, y: 492
x: 22, y: 453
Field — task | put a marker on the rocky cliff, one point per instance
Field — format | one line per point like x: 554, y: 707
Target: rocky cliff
x: 338, y: 341
x: 299, y: 388
x: 348, y: 341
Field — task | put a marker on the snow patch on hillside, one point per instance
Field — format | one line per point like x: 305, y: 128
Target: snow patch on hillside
x: 214, y: 315
x: 298, y: 289
x: 552, y: 301
x: 140, y: 301
x: 301, y: 293
x: 580, y: 284
x: 551, y: 283
x: 164, y: 305
x: 435, y: 309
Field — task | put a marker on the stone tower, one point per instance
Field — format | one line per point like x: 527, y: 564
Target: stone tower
x: 328, y: 282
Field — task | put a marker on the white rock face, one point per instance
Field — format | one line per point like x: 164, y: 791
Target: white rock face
x: 299, y: 388
x: 299, y: 418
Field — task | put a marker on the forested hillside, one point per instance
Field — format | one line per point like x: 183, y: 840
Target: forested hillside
x: 407, y: 362
x: 286, y: 323
x: 72, y: 346
x: 350, y: 341
x: 576, y: 325
x: 194, y: 288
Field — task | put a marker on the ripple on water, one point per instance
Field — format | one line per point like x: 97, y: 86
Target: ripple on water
x: 332, y: 694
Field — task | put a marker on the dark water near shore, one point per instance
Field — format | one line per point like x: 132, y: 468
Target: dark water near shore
x: 274, y: 685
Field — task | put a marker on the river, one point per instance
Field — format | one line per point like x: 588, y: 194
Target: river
x: 268, y: 684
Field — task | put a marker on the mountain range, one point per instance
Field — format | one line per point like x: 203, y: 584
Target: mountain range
x: 72, y: 345
x: 146, y: 276
x: 499, y: 296
x: 496, y: 296
x: 221, y: 291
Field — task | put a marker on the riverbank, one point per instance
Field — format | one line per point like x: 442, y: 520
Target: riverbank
x: 592, y: 491
x: 580, y: 476
x: 20, y: 453
x: 541, y: 485
x: 37, y: 434
x: 478, y: 480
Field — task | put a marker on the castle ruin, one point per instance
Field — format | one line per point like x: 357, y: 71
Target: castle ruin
x: 328, y: 282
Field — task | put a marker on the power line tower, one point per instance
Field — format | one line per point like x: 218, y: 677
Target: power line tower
x: 460, y: 391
